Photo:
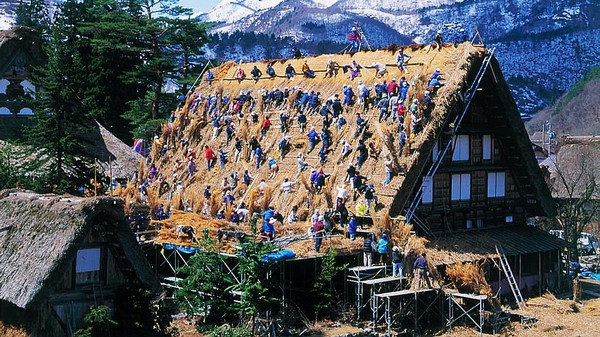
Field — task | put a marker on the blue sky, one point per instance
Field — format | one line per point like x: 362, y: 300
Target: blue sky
x: 199, y: 5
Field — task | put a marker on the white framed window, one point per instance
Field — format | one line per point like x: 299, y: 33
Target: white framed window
x: 87, y: 260
x: 469, y: 224
x: 461, y: 148
x: 88, y: 266
x: 427, y: 190
x: 487, y: 147
x: 479, y: 223
x: 461, y: 187
x: 509, y: 219
x: 496, y: 184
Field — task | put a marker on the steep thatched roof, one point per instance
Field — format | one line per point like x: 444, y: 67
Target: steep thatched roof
x: 577, y: 166
x: 115, y: 158
x: 40, y: 234
x: 459, y: 65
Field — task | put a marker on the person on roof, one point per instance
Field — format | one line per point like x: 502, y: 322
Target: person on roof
x: 306, y: 70
x: 258, y: 153
x: 370, y: 195
x: 348, y: 96
x: 239, y: 74
x: 345, y: 150
x: 290, y: 72
x: 256, y: 74
x: 222, y: 157
x: 331, y: 69
x: 380, y: 69
x: 247, y: 178
x: 313, y: 138
x: 435, y: 74
x: 354, y: 38
x: 361, y: 124
x: 284, y: 146
x: 210, y: 77
x: 438, y: 39
x: 354, y: 69
x: 401, y: 60
x: 302, y: 164
x: 273, y: 167
x: 393, y: 88
x: 209, y: 155
x: 360, y: 208
x: 270, y: 71
x: 383, y: 108
x: 302, y: 121
x: 228, y: 199
x: 321, y: 180
x: 266, y: 124
x: 388, y: 169
x: 352, y: 227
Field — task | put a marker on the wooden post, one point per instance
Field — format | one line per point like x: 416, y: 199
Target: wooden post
x: 95, y: 182
x: 540, y: 274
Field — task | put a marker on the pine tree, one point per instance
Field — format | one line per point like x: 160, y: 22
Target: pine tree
x: 60, y: 121
x: 33, y: 14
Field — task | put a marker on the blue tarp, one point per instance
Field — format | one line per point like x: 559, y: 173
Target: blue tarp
x: 281, y: 255
x: 186, y: 250
x: 591, y: 275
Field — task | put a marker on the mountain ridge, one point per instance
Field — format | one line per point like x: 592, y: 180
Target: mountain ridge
x: 531, y: 37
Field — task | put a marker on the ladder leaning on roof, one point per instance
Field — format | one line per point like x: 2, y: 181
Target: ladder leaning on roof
x: 510, y: 277
x: 467, y: 98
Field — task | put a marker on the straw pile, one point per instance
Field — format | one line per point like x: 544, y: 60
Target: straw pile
x: 468, y: 278
x: 12, y: 331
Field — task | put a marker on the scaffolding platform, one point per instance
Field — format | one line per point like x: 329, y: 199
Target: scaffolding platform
x: 408, y: 304
x: 358, y: 275
x: 466, y: 307
x: 378, y: 286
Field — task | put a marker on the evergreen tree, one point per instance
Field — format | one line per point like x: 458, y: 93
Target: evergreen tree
x: 203, y: 289
x: 60, y: 121
x: 33, y: 14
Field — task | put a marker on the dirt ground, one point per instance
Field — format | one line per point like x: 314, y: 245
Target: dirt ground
x: 555, y: 317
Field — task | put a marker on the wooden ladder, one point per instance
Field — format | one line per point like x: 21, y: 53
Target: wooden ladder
x: 511, y: 278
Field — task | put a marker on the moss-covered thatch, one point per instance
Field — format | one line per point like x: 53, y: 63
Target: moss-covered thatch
x: 40, y: 234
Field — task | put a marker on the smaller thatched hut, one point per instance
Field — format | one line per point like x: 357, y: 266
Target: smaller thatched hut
x: 59, y: 255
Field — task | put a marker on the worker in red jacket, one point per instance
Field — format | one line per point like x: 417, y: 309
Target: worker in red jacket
x: 266, y: 124
x: 209, y: 154
x: 354, y: 38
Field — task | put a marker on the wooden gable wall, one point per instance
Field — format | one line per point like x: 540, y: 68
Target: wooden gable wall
x: 489, y: 132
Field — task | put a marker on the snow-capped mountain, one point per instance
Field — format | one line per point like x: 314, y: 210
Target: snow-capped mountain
x: 543, y: 46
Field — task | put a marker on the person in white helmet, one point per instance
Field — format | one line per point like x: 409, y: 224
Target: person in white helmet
x: 354, y: 38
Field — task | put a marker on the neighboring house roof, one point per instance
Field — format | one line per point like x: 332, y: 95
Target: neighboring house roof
x: 577, y: 165
x: 481, y: 244
x: 116, y: 159
x: 40, y: 234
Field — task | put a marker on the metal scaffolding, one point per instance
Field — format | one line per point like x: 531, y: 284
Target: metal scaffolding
x: 358, y: 275
x: 410, y: 304
x: 469, y: 307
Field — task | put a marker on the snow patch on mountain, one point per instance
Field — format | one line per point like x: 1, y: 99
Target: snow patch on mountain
x: 230, y: 11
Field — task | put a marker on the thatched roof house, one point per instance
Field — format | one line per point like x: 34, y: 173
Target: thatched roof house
x: 467, y: 164
x: 60, y: 254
